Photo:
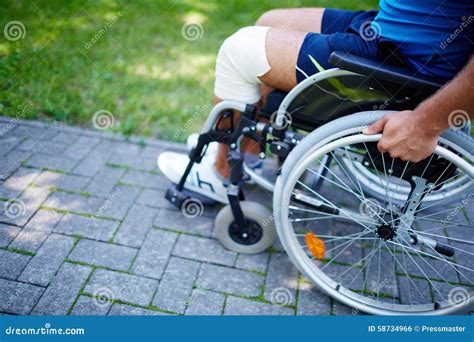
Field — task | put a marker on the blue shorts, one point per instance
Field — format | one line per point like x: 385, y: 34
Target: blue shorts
x: 341, y: 30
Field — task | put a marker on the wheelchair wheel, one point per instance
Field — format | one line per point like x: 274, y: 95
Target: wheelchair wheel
x: 259, y: 235
x: 376, y: 188
x: 377, y: 256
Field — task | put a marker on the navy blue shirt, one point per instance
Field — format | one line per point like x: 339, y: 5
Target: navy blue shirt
x: 436, y: 37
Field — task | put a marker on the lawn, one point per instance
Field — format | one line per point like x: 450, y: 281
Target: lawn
x: 130, y: 58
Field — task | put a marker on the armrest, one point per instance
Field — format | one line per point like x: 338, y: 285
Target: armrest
x: 384, y: 72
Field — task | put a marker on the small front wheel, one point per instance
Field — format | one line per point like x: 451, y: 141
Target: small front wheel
x: 259, y: 234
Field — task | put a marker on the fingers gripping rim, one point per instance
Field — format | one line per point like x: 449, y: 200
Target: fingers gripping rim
x: 253, y: 211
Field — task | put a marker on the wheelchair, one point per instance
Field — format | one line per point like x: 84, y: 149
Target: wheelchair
x: 376, y: 233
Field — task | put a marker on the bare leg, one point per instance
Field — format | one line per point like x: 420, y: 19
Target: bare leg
x: 296, y: 19
x: 282, y: 75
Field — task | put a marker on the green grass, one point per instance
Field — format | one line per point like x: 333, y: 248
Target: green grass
x: 141, y: 69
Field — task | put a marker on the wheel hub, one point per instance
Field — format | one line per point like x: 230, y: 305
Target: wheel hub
x: 387, y: 229
x: 249, y: 235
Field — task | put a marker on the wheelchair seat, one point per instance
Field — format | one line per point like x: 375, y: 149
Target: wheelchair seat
x: 374, y: 85
x: 385, y: 72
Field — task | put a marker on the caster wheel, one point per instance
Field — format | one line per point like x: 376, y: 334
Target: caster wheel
x: 259, y: 235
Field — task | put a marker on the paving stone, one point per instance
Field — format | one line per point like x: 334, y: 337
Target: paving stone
x: 44, y: 265
x: 87, y: 306
x: 42, y: 146
x: 204, y: 249
x: 18, y: 182
x: 154, y: 254
x: 119, y: 202
x: 434, y: 269
x: 72, y: 202
x: 11, y: 264
x: 339, y: 309
x: 104, y: 181
x: 311, y: 301
x: 25, y: 206
x: 62, y: 181
x: 146, y: 180
x: 240, y: 306
x: 282, y: 278
x: 253, y: 262
x: 347, y: 276
x: 171, y: 219
x: 103, y: 254
x: 137, y: 223
x: 18, y: 298
x: 24, y: 131
x: 62, y: 292
x: 93, y: 162
x: 120, y: 286
x: 127, y: 310
x: 7, y: 144
x: 36, y: 231
x: 176, y: 285
x: 81, y: 148
x: 413, y: 291
x: 51, y: 162
x: 205, y: 303
x: 90, y: 227
x: 66, y: 138
x: 384, y: 281
x: 154, y: 198
x: 229, y: 280
x: 11, y: 162
x: 7, y: 234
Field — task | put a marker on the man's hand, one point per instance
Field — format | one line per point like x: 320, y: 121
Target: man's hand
x: 405, y: 135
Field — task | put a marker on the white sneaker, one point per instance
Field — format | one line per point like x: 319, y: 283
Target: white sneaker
x: 202, y: 179
x: 192, y: 140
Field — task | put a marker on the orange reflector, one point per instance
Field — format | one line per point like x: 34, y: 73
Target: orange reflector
x: 315, y: 245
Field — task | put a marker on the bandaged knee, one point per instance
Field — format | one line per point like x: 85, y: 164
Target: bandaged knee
x: 242, y: 59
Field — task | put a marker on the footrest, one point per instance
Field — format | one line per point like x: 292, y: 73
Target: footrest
x: 177, y: 198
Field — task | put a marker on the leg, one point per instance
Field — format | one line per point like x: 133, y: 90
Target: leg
x: 282, y: 75
x: 297, y: 19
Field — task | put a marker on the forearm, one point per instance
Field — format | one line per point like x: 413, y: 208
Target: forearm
x: 457, y: 95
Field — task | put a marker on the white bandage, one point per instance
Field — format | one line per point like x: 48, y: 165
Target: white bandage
x: 241, y: 60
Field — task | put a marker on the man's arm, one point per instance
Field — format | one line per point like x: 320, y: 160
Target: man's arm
x: 413, y: 135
